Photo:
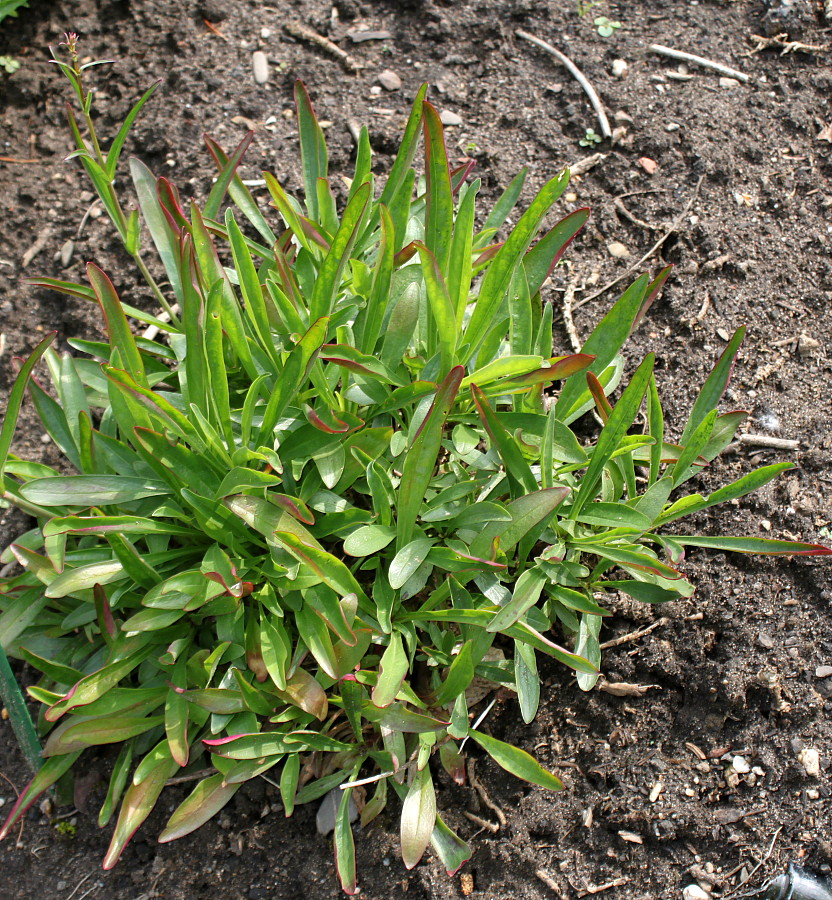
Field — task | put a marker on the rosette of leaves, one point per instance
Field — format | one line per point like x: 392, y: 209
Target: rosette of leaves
x: 333, y: 491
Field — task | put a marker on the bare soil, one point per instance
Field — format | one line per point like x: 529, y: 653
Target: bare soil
x: 641, y: 810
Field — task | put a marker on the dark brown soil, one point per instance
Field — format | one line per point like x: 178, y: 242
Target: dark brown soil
x: 754, y: 245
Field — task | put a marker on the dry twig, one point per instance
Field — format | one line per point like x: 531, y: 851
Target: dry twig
x: 478, y: 786
x: 550, y: 882
x: 577, y: 74
x: 759, y: 864
x: 312, y: 37
x: 483, y: 823
x: 673, y: 228
x: 699, y: 61
x: 633, y: 635
x: 582, y: 166
x: 785, y: 46
x: 772, y: 443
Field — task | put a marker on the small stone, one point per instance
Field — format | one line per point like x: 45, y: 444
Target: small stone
x: 571, y: 197
x: 265, y: 33
x: 765, y: 640
x: 649, y: 165
x: 389, y: 80
x: 809, y: 758
x: 375, y: 90
x: 446, y: 117
x: 260, y: 66
x: 620, y: 68
x: 741, y: 765
x: 213, y: 10
x: 555, y: 88
x: 823, y: 672
x: 67, y: 249
x: 806, y: 346
x: 765, y: 524
x: 728, y: 83
x: 671, y: 127
x: 813, y: 794
x: 694, y: 892
x: 618, y: 250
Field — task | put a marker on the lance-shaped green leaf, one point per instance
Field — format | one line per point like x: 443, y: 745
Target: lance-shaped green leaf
x: 541, y: 259
x: 137, y: 805
x: 224, y: 178
x: 642, y: 591
x: 449, y: 847
x: 754, y: 545
x: 47, y: 775
x: 609, y: 440
x: 15, y: 399
x: 460, y: 675
x: 312, y: 148
x: 345, y: 845
x: 407, y: 151
x: 393, y: 668
x: 527, y: 590
x: 80, y: 732
x: 418, y: 817
x: 518, y: 470
x: 85, y: 577
x: 441, y: 308
x: 516, y: 761
x: 90, y: 490
x: 202, y: 804
x: 421, y: 456
x: 604, y: 343
x: 96, y: 684
x: 328, y: 282
x: 327, y: 567
x: 526, y: 512
x: 295, y: 370
x: 501, y: 270
x: 526, y: 680
x: 439, y: 202
x: 714, y: 387
x: 117, y: 328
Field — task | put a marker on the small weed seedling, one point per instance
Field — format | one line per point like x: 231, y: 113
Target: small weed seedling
x: 337, y: 487
x: 606, y: 27
x: 590, y: 138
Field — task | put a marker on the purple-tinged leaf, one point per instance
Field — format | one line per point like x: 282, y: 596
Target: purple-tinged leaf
x: 602, y: 405
x: 80, y: 732
x: 345, y: 845
x: 202, y: 804
x: 46, y: 776
x: 439, y: 202
x: 650, y: 295
x: 330, y: 423
x: 137, y: 805
x: 754, y: 545
x: 516, y: 761
x: 449, y: 847
x: 540, y: 261
x: 418, y: 817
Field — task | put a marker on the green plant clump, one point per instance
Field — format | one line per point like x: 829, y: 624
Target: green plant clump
x: 332, y: 488
x: 9, y: 8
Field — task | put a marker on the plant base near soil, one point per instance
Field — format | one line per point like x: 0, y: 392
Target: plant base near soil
x: 756, y: 614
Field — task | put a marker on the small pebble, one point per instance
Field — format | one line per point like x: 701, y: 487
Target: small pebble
x: 260, y: 66
x: 765, y: 640
x: 446, y: 117
x: 571, y: 197
x: 67, y: 249
x: 390, y: 81
x: 823, y: 672
x: 813, y: 794
x: 620, y: 68
x: 809, y: 758
x: 618, y: 250
x: 672, y: 126
x: 649, y: 165
x: 741, y: 765
x: 728, y: 83
x: 213, y: 10
x: 806, y: 346
x: 265, y: 33
x: 694, y: 892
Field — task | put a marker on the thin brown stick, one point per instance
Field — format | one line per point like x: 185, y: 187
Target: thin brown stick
x: 214, y: 30
x: 772, y: 443
x: 312, y: 37
x: 483, y: 795
x: 14, y: 159
x: 622, y: 209
x: 577, y: 74
x: 673, y: 228
x: 483, y: 823
x: 549, y: 882
x: 785, y: 46
x: 194, y: 776
x: 634, y: 635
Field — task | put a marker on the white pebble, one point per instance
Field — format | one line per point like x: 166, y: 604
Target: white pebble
x: 809, y: 758
x: 694, y: 892
x: 620, y: 68
x: 729, y: 83
x: 741, y: 765
x: 446, y: 117
x: 260, y: 66
x: 265, y: 33
x: 618, y: 250
x: 389, y: 80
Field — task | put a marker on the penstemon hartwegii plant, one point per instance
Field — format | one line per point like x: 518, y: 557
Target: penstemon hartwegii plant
x: 336, y: 490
